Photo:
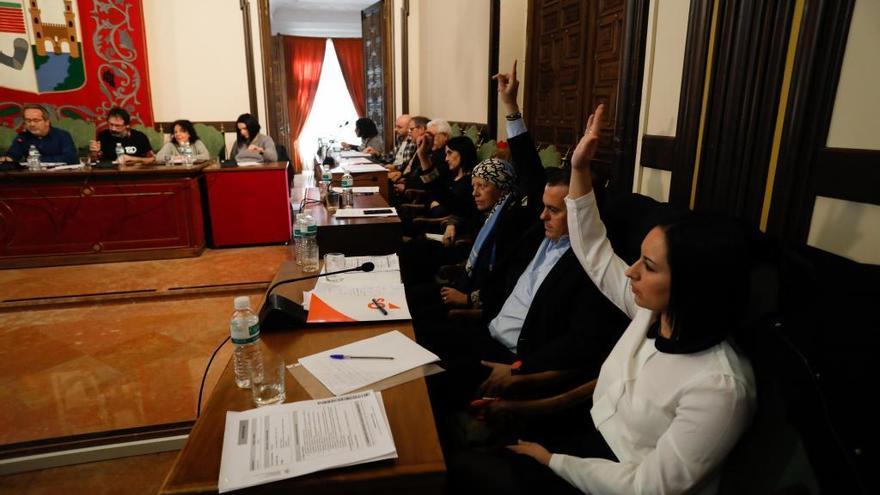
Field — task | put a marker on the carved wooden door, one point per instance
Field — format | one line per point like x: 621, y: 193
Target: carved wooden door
x: 557, y: 69
x: 377, y: 64
x: 574, y: 60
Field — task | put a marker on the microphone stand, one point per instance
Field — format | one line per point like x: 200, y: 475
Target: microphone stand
x: 279, y: 312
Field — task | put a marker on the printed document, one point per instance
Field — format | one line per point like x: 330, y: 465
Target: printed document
x: 366, y: 212
x: 342, y: 376
x: 287, y: 440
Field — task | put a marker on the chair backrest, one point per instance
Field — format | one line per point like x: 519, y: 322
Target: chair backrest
x: 212, y: 138
x: 157, y: 140
x: 282, y: 153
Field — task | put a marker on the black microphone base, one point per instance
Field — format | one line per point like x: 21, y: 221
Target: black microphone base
x: 280, y: 313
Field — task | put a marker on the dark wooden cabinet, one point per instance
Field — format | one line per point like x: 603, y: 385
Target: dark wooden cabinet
x: 56, y: 219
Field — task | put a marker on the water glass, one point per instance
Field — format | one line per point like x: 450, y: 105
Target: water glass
x: 310, y: 257
x: 334, y: 262
x: 267, y: 385
x: 332, y: 201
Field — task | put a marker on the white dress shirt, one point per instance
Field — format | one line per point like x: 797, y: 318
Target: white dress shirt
x: 506, y: 327
x: 670, y: 419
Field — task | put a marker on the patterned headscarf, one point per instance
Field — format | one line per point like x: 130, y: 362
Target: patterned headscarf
x: 496, y: 171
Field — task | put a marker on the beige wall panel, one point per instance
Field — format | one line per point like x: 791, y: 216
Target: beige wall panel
x: 668, y: 60
x: 846, y: 228
x: 257, y: 44
x: 513, y: 46
x: 398, y: 57
x: 454, y: 58
x: 856, y: 119
x: 196, y: 73
x: 655, y: 183
x: 415, y: 58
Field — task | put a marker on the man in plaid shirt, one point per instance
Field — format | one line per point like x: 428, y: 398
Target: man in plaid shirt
x: 404, y: 148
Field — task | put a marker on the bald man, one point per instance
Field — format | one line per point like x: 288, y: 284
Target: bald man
x: 404, y: 148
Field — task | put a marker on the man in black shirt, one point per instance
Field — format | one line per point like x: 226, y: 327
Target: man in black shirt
x: 136, y: 145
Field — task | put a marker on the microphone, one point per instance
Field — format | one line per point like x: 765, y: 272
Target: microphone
x: 280, y: 312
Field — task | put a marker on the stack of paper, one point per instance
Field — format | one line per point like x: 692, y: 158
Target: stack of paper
x: 365, y: 167
x: 375, y: 296
x: 366, y: 212
x: 342, y: 376
x: 287, y: 440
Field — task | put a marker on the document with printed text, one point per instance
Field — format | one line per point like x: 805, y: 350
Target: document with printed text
x: 287, y: 440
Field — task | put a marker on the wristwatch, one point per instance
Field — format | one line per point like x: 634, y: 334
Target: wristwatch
x: 513, y: 116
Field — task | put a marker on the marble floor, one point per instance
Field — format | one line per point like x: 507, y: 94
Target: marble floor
x: 93, y: 348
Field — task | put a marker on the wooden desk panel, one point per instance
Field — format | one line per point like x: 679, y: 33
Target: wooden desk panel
x: 353, y: 236
x: 92, y: 216
x: 248, y: 205
x: 419, y: 468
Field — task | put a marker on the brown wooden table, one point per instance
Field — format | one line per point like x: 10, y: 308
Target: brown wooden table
x: 353, y: 236
x: 419, y: 468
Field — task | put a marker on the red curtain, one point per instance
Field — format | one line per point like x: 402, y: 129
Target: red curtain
x: 350, y: 52
x: 305, y: 58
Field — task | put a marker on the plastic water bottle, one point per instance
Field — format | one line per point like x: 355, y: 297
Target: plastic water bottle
x: 347, y: 192
x: 33, y: 158
x: 297, y: 239
x: 245, y: 331
x: 119, y: 151
x: 326, y: 179
x: 309, y: 243
x: 187, y: 154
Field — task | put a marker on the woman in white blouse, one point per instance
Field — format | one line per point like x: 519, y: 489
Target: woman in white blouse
x: 674, y: 396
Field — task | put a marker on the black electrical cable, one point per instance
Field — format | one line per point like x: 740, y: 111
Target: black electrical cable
x: 205, y: 376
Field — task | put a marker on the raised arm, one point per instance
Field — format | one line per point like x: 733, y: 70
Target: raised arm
x: 589, y: 240
x: 529, y: 171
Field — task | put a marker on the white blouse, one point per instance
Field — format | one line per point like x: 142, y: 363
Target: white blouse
x: 670, y: 419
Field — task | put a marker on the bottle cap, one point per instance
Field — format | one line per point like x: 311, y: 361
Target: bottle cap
x: 242, y: 302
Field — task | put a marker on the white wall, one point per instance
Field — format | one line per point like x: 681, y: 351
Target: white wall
x: 197, y: 69
x: 512, y: 46
x: 452, y: 59
x: 855, y: 122
x: 664, y: 60
x: 844, y: 227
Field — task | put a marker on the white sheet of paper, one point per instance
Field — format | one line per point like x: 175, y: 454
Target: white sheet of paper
x: 287, y: 440
x: 349, y: 162
x: 248, y: 164
x: 352, y: 153
x: 66, y: 167
x: 353, y: 303
x: 434, y: 237
x: 361, y: 212
x: 365, y: 167
x: 341, y: 376
x: 359, y: 189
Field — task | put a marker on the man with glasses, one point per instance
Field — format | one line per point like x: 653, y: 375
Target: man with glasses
x: 55, y: 145
x: 135, y: 144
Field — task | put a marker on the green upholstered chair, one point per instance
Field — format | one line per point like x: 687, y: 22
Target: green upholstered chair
x: 487, y: 150
x: 455, y: 130
x: 212, y: 138
x: 82, y: 132
x: 550, y: 157
x: 472, y: 132
x: 7, y: 134
x: 155, y: 137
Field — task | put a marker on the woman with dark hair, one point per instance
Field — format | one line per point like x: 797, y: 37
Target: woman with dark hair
x: 365, y: 129
x: 452, y: 193
x: 674, y: 395
x: 184, y: 134
x: 250, y: 145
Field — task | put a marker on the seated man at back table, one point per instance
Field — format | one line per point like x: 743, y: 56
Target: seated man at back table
x: 54, y: 145
x: 135, y: 144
